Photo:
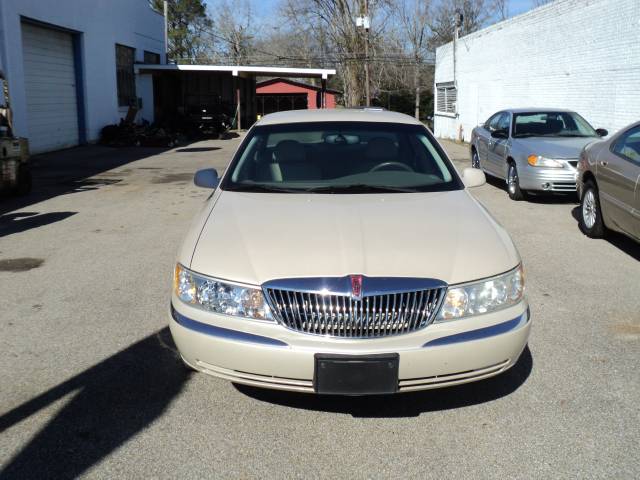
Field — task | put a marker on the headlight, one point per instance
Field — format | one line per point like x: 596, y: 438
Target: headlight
x: 540, y: 161
x: 220, y: 297
x: 483, y: 297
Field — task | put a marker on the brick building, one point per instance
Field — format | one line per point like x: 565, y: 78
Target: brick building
x: 582, y: 55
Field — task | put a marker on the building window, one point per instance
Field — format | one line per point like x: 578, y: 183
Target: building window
x: 446, y: 98
x: 125, y: 57
x: 151, y: 58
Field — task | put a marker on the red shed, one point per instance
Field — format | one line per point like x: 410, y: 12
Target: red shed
x: 280, y: 94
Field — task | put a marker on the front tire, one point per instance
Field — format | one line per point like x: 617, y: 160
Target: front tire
x: 475, y: 159
x: 513, y: 184
x: 590, y: 212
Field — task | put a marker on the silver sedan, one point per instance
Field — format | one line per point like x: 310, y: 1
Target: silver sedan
x: 533, y: 150
x: 608, y: 183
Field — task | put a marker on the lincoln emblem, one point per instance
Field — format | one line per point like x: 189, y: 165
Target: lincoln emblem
x: 356, y: 287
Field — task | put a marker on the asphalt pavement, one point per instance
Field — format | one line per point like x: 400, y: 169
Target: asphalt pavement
x: 91, y: 386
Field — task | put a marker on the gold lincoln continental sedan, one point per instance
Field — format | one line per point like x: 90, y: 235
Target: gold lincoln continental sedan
x: 342, y: 253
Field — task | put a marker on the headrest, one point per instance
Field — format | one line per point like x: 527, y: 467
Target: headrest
x: 380, y: 148
x: 553, y: 125
x: 289, y: 151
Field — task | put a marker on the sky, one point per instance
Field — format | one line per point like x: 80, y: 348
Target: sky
x: 265, y: 8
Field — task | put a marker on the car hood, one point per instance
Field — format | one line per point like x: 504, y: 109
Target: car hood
x: 255, y: 237
x: 554, y: 147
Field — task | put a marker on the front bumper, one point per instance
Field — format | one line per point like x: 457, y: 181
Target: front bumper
x: 265, y: 354
x: 561, y: 180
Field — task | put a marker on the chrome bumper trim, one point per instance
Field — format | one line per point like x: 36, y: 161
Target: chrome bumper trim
x: 224, y: 333
x: 481, y: 333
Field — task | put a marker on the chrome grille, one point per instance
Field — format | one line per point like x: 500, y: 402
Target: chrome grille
x: 563, y: 186
x: 340, y: 315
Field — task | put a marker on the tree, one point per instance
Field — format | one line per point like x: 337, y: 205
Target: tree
x: 233, y: 26
x: 187, y: 23
x: 475, y: 14
x: 501, y: 7
x: 414, y: 15
x: 332, y: 25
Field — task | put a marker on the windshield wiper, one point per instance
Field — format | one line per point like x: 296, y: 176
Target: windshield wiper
x: 572, y: 135
x: 359, y: 188
x: 264, y: 189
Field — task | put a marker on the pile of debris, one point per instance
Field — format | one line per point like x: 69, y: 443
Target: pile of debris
x: 174, y: 131
x: 128, y: 134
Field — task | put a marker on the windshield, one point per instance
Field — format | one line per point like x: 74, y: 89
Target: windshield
x: 340, y: 157
x: 551, y: 124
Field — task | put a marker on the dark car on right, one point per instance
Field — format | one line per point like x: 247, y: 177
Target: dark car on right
x: 608, y: 184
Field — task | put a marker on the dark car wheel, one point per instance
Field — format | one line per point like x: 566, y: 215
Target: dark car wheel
x: 513, y: 184
x: 475, y: 159
x: 590, y: 213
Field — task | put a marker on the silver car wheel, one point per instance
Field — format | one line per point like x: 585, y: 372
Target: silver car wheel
x: 475, y: 160
x: 589, y: 209
x: 512, y: 179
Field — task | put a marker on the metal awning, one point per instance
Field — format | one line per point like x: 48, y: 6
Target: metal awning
x: 241, y: 71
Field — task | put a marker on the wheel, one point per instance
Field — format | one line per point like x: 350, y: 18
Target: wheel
x: 513, y: 183
x: 475, y: 159
x: 590, y: 213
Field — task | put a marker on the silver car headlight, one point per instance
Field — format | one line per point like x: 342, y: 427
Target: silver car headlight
x: 540, y: 161
x: 219, y: 296
x: 486, y: 296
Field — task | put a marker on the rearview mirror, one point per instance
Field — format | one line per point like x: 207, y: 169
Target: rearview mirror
x: 473, y: 177
x: 206, y: 178
x: 602, y: 132
x: 500, y: 134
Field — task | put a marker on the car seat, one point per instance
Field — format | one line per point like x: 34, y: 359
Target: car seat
x: 379, y: 150
x: 289, y: 163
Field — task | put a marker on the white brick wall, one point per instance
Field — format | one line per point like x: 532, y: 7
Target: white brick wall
x: 578, y: 54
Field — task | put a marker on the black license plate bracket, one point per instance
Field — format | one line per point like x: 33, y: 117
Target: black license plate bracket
x: 356, y: 374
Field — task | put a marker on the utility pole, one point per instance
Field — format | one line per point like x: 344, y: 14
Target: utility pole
x: 166, y: 31
x: 458, y: 19
x: 363, y: 22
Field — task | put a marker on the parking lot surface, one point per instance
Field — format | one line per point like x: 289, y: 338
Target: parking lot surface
x: 90, y: 383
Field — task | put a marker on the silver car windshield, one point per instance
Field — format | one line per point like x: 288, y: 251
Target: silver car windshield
x: 340, y: 157
x: 551, y: 124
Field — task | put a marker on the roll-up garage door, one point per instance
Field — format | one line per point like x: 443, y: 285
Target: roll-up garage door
x: 49, y: 72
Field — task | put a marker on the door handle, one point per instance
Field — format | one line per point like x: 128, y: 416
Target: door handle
x: 604, y: 163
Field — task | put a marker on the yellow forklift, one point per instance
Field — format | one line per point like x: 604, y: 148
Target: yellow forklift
x: 15, y: 169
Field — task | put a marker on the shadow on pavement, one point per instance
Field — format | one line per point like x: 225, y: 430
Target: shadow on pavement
x: 405, y: 404
x: 70, y: 171
x: 618, y: 240
x: 23, y: 221
x: 197, y: 149
x: 112, y: 401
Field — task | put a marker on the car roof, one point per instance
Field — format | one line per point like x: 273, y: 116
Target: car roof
x: 534, y: 109
x: 337, y: 115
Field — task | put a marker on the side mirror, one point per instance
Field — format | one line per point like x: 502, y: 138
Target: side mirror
x: 473, y: 177
x: 207, y: 178
x: 602, y: 132
x: 500, y: 134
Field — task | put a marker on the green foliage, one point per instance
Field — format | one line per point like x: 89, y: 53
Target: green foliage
x: 188, y: 23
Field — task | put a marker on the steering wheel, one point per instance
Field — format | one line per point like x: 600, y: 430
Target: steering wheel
x: 400, y: 165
